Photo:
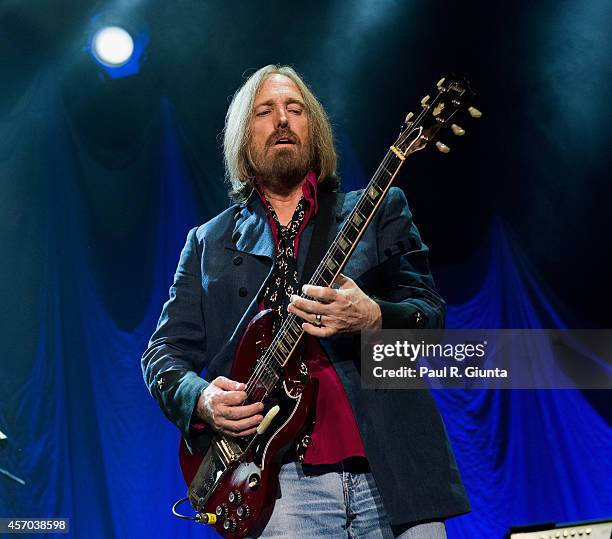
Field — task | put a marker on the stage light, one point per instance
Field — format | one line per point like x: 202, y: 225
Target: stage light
x: 112, y: 46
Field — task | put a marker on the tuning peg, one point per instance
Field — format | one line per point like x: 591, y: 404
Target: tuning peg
x: 440, y: 83
x: 425, y: 100
x: 442, y: 147
x: 474, y: 112
x: 457, y: 130
x: 408, y: 117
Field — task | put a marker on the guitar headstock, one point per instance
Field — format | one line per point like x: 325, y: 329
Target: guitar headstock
x: 453, y: 97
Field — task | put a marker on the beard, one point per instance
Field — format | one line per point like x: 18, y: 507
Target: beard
x: 281, y: 169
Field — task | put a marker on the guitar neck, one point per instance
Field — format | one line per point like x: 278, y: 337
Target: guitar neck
x: 357, y: 221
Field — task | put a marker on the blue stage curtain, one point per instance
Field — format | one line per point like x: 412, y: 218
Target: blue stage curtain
x: 526, y: 456
x: 84, y: 283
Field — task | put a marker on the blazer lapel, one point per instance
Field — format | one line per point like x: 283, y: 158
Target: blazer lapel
x: 252, y: 233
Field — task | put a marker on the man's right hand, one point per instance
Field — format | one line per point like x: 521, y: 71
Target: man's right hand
x: 220, y: 405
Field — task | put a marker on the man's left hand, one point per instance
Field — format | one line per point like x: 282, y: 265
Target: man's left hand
x: 338, y: 310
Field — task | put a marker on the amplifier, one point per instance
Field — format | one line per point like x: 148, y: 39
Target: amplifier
x: 592, y: 529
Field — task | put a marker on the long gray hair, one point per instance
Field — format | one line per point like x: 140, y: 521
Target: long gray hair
x: 236, y: 134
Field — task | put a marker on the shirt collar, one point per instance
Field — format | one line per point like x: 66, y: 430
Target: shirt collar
x: 309, y: 190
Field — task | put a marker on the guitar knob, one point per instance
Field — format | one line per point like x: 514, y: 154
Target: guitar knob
x: 474, y: 112
x: 221, y: 510
x: 229, y: 525
x: 425, y: 100
x: 243, y: 511
x: 409, y: 116
x: 457, y: 130
x: 442, y: 147
x: 234, y: 497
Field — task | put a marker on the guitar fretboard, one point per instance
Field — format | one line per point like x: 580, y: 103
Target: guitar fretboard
x: 270, y: 365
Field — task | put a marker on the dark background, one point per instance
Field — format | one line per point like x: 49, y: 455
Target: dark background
x: 103, y: 176
x: 539, y: 158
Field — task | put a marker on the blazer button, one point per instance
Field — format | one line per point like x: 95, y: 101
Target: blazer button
x: 242, y: 291
x: 237, y: 261
x: 420, y: 320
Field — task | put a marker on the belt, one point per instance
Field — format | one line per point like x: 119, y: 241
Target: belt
x: 353, y: 465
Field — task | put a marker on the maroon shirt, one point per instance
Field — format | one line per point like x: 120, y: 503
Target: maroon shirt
x: 336, y: 435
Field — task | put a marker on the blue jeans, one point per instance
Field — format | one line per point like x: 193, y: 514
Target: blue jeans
x: 333, y: 505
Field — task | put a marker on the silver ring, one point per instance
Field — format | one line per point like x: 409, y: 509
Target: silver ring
x: 317, y: 320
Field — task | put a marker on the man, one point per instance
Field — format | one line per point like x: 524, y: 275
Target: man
x: 379, y: 463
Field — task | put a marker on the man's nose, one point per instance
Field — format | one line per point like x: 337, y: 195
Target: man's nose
x: 282, y: 118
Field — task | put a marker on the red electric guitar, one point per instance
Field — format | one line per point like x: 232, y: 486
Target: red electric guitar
x: 234, y: 485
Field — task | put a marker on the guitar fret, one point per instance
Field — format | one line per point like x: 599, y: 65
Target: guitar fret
x: 331, y: 265
x: 373, y: 192
x: 291, y: 333
x: 337, y: 255
x: 327, y: 276
x: 343, y: 243
x: 295, y: 330
x: 350, y: 231
x: 378, y: 187
x: 352, y: 228
x: 283, y: 348
x: 357, y: 219
x: 394, y: 160
x: 279, y: 359
x: 290, y: 342
x: 337, y: 250
x: 367, y: 205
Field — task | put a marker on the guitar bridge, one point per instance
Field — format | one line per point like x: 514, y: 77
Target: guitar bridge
x: 228, y: 451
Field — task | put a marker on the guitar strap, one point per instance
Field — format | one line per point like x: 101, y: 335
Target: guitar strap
x: 324, y: 232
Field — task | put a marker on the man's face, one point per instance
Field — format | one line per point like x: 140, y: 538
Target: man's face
x: 280, y: 140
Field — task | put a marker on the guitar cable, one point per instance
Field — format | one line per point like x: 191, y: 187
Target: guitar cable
x: 203, y: 518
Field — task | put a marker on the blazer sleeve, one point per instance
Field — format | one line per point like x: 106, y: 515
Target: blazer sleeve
x: 176, y: 353
x: 405, y: 289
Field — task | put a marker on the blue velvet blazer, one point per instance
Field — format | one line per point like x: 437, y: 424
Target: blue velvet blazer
x: 220, y: 275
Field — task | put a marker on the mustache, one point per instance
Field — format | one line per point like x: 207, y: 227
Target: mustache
x: 283, y: 134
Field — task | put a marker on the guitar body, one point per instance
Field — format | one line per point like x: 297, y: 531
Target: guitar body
x: 237, y: 478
